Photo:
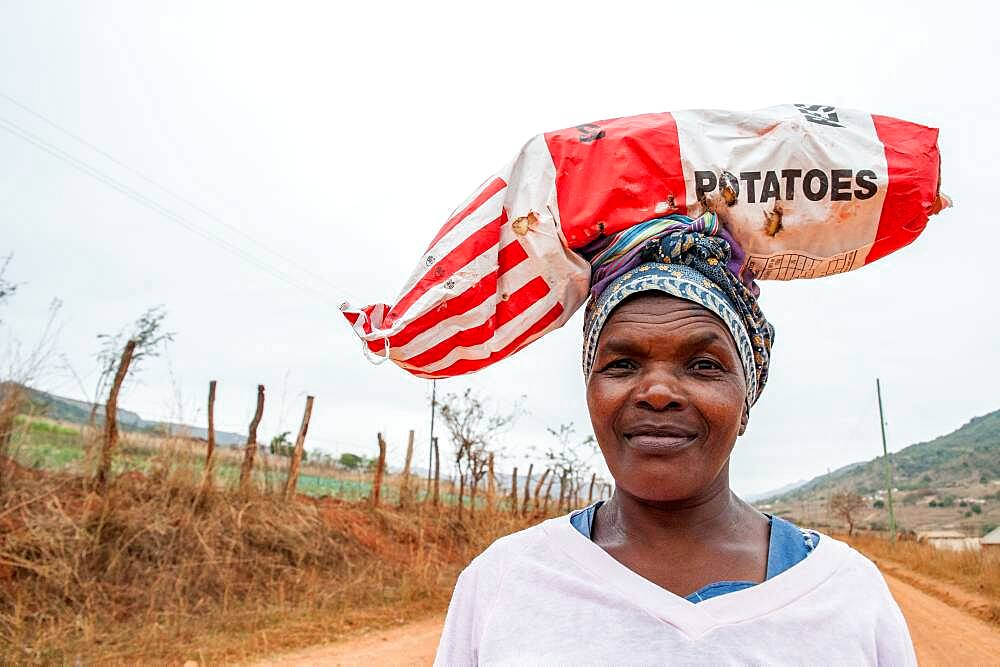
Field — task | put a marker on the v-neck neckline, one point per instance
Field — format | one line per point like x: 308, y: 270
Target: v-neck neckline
x: 697, y: 619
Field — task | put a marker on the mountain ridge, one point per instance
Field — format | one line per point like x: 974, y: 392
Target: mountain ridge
x: 75, y: 411
x: 970, y: 452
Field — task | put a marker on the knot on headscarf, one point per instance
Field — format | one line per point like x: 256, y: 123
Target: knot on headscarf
x: 697, y: 260
x: 710, y: 256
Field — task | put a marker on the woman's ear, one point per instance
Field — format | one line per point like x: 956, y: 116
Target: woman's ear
x: 744, y: 419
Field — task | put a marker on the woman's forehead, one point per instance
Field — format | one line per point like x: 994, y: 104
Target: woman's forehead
x: 656, y: 306
x: 664, y: 317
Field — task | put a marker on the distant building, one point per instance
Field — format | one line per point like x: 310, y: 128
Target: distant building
x: 991, y: 540
x: 948, y: 539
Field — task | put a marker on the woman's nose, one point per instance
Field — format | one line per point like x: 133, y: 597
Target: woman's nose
x: 659, y: 390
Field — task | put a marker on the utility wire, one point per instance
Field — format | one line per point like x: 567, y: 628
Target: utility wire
x: 93, y: 172
x: 165, y: 189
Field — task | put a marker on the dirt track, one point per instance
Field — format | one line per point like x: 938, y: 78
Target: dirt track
x: 941, y: 634
x: 411, y: 644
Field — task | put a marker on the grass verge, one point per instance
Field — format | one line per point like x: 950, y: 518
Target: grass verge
x: 153, y: 571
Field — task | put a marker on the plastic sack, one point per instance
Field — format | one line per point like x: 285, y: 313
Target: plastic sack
x: 806, y: 190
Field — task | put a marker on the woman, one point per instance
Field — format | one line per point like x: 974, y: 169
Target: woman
x: 674, y: 568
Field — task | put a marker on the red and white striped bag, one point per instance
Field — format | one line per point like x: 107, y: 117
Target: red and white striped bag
x: 807, y: 191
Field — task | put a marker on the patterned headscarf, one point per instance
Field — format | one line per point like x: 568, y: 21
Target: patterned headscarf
x: 696, y: 260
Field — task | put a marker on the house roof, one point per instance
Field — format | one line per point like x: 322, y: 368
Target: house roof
x: 941, y: 535
x: 992, y: 537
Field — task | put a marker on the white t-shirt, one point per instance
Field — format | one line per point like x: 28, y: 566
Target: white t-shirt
x: 548, y: 595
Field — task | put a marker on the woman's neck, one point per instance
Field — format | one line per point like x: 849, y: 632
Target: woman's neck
x: 686, y: 544
x: 715, y: 512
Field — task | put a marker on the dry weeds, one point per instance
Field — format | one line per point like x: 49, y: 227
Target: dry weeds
x: 154, y: 571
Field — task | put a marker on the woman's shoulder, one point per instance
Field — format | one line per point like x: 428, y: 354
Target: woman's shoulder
x: 850, y: 561
x: 512, y: 547
x: 482, y: 579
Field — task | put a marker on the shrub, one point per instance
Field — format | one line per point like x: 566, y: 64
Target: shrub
x: 976, y: 508
x: 352, y: 461
x: 878, y: 504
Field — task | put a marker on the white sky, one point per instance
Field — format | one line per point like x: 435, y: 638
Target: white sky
x: 341, y: 135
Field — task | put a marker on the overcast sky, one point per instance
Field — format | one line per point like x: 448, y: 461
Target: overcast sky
x: 333, y: 139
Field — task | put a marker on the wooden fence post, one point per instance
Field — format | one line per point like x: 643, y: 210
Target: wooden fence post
x: 491, y: 485
x: 11, y: 396
x: 437, y: 471
x: 210, y: 449
x: 300, y: 445
x: 527, y: 485
x: 548, y: 489
x: 538, y: 489
x: 590, y: 495
x: 513, y: 489
x: 405, y: 498
x: 562, y: 492
x: 379, y: 470
x: 111, y: 418
x: 250, y: 450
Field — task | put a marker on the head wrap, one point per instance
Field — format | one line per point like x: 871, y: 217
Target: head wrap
x: 692, y: 259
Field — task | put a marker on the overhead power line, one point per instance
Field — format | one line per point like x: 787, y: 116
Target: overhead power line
x: 95, y: 173
x: 208, y: 214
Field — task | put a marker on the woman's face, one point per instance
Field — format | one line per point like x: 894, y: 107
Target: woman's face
x: 666, y: 397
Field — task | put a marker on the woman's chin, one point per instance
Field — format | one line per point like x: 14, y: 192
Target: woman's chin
x: 660, y: 489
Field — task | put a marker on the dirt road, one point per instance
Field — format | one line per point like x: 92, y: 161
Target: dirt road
x: 411, y: 644
x: 942, y: 635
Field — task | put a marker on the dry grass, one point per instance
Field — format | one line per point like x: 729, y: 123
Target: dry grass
x: 976, y: 572
x: 153, y: 572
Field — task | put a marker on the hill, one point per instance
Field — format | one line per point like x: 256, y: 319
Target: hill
x: 74, y: 411
x: 965, y: 457
x: 774, y: 493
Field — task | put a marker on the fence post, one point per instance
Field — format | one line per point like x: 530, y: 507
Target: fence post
x: 437, y: 471
x: 548, y: 489
x: 111, y: 418
x: 562, y: 491
x: 404, y: 489
x: 250, y: 450
x: 590, y: 494
x: 300, y: 445
x: 210, y: 449
x: 538, y: 490
x: 513, y: 491
x: 491, y: 486
x: 527, y: 485
x: 379, y: 469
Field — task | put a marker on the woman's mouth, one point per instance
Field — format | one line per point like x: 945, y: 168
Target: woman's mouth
x: 654, y: 439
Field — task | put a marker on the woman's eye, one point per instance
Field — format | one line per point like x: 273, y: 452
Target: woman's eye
x: 621, y: 365
x: 706, y: 365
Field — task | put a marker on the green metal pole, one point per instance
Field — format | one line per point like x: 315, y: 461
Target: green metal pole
x: 888, y: 464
